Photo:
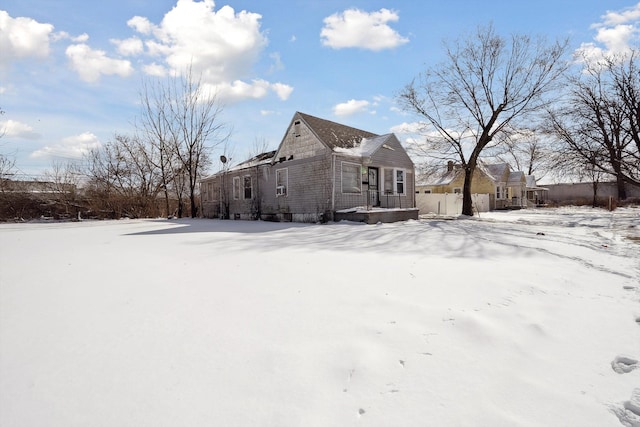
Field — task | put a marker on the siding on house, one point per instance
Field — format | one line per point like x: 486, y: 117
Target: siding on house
x: 316, y: 154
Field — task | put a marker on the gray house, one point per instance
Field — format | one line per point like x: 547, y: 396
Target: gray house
x: 322, y: 170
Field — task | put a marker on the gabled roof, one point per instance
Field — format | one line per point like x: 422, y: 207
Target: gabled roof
x: 445, y: 179
x: 496, y: 171
x: 334, y: 134
x: 516, y: 177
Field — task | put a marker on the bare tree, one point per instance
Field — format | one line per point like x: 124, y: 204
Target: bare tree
x: 599, y: 122
x: 62, y: 180
x: 526, y: 150
x: 123, y: 178
x: 485, y: 85
x: 196, y: 128
x: 154, y: 128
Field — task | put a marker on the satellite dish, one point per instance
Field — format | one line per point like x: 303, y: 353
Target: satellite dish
x: 223, y: 159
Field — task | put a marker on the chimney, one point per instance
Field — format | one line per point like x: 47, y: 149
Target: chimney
x: 449, y: 165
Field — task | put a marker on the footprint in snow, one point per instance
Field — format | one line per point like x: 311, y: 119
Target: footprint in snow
x: 629, y: 413
x: 624, y: 364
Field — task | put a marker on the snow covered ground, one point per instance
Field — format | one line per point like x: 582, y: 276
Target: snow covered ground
x: 523, y: 318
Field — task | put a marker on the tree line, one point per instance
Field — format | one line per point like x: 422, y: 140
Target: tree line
x: 152, y: 172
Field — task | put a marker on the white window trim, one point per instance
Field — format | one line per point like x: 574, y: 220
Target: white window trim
x: 236, y: 188
x: 244, y: 195
x: 395, y: 181
x: 394, y: 173
x: 286, y: 185
x: 358, y: 176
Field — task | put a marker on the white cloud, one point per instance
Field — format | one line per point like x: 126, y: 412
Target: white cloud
x: 616, y: 34
x: 91, y: 64
x: 621, y: 17
x: 409, y: 128
x: 63, y: 35
x: 350, y: 107
x: 277, y: 62
x: 129, y: 47
x: 155, y: 70
x: 282, y: 90
x: 22, y: 37
x: 356, y: 28
x: 14, y: 129
x: 239, y: 90
x: 221, y: 46
x: 73, y: 147
x: 141, y: 24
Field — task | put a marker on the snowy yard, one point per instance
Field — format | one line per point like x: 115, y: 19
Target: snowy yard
x: 523, y: 318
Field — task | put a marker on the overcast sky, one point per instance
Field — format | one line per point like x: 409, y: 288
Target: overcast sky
x: 71, y: 70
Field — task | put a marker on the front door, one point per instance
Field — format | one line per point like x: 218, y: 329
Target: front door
x: 372, y: 197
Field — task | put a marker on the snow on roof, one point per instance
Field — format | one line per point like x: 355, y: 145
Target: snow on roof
x: 495, y: 171
x: 444, y: 179
x: 366, y: 147
x: 515, y: 177
x: 260, y: 159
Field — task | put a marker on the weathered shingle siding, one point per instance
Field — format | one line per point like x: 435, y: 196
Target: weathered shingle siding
x: 394, y: 156
x: 347, y: 200
x: 299, y: 143
x: 308, y: 189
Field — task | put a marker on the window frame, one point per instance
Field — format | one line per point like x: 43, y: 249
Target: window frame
x: 235, y: 189
x: 285, y: 172
x: 244, y: 187
x: 358, y: 177
x: 403, y: 182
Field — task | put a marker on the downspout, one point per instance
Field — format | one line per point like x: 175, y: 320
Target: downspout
x: 414, y: 188
x: 333, y: 182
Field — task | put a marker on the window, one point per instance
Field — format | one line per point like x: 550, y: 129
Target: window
x: 236, y: 187
x: 399, y: 181
x: 296, y: 128
x: 248, y: 189
x: 388, y: 181
x: 394, y: 181
x: 351, y: 181
x: 457, y: 190
x: 501, y: 192
x: 282, y: 181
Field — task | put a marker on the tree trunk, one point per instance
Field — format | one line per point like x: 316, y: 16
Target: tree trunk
x: 622, y: 191
x: 467, y: 203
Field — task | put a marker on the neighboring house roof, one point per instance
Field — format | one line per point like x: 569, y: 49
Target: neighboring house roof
x: 516, y: 177
x: 496, y: 171
x: 334, y: 134
x: 444, y: 179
